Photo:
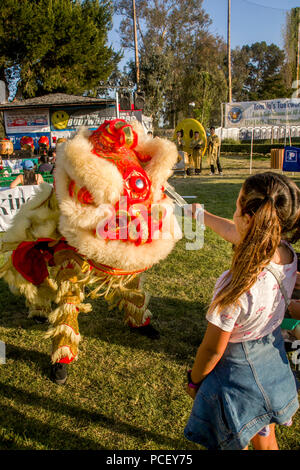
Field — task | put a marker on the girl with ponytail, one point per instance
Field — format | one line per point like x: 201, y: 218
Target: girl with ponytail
x: 241, y: 379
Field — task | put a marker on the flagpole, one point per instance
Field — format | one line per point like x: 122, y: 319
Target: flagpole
x: 298, y: 56
x: 137, y: 65
x: 229, y: 52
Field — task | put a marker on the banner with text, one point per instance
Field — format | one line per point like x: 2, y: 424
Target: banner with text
x: 11, y: 201
x: 277, y: 112
x: 26, y: 120
x: 71, y: 119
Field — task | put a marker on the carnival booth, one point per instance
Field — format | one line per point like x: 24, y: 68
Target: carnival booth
x: 59, y: 116
x: 41, y: 121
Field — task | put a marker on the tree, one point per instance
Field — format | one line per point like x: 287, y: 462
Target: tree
x: 254, y: 68
x: 291, y: 44
x: 240, y: 59
x: 273, y: 87
x: 178, y: 56
x: 55, y: 46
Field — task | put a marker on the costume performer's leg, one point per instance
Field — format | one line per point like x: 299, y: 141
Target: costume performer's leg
x: 71, y: 271
x: 132, y: 300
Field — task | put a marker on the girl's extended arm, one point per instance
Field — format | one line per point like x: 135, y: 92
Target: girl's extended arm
x: 223, y: 227
x: 209, y: 353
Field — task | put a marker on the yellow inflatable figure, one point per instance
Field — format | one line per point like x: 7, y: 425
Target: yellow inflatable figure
x: 188, y: 128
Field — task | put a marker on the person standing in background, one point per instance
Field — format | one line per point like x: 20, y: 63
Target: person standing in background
x: 182, y: 155
x: 197, y: 146
x: 213, y: 145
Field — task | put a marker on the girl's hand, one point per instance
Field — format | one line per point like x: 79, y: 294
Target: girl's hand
x: 191, y: 392
x: 191, y: 210
x: 195, y: 208
x: 294, y: 309
x: 297, y: 285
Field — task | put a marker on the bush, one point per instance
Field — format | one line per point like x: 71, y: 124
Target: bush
x: 230, y: 141
x: 257, y: 148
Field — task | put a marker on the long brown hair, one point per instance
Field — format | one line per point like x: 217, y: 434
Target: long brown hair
x: 29, y: 177
x: 273, y: 202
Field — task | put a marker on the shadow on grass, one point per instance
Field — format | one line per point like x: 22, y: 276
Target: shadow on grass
x: 19, y: 424
x: 173, y: 318
x: 181, y: 325
x: 40, y: 432
x: 21, y: 354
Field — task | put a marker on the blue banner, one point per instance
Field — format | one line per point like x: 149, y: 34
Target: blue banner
x: 291, y: 159
x: 15, y: 138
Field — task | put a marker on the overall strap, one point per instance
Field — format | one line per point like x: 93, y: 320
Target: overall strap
x: 278, y: 278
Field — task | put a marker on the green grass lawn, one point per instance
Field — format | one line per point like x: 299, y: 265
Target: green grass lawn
x: 125, y: 391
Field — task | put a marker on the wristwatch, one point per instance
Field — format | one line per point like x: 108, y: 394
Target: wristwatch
x: 191, y: 384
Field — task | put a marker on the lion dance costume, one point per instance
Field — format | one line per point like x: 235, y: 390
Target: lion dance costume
x: 105, y: 222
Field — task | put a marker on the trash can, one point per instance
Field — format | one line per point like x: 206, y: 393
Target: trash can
x: 277, y: 158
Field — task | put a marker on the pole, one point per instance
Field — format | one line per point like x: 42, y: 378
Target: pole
x: 298, y: 55
x: 272, y: 135
x: 251, y: 153
x: 117, y: 105
x: 285, y: 136
x: 137, y: 65
x: 229, y: 52
x: 222, y: 118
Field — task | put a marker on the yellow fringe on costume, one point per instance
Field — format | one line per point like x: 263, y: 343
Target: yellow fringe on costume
x: 65, y: 330
x: 72, y: 275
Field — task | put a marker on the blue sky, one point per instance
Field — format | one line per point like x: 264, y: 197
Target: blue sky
x: 251, y: 21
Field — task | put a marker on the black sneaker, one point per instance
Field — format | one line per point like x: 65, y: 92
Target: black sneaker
x: 59, y: 373
x: 288, y: 346
x: 40, y: 320
x: 147, y: 330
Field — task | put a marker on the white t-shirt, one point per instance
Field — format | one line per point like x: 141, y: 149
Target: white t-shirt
x: 261, y: 309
